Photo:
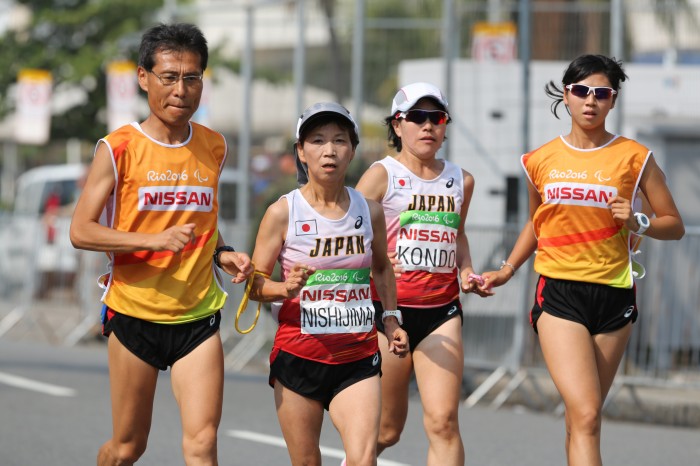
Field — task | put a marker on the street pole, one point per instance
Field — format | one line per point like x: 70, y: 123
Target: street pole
x: 617, y: 30
x: 448, y: 35
x: 243, y: 201
x: 300, y: 58
x: 358, y: 42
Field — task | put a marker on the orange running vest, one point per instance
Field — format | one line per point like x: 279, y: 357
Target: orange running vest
x: 577, y: 238
x: 158, y: 186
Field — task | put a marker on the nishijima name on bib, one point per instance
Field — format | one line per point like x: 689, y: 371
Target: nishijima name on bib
x: 337, y: 301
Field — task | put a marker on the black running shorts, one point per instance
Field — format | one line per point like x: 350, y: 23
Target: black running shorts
x: 600, y: 308
x: 320, y: 381
x: 159, y: 345
x: 420, y: 322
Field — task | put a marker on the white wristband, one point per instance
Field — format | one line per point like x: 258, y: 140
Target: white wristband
x: 395, y: 313
x: 643, y: 222
x: 507, y: 264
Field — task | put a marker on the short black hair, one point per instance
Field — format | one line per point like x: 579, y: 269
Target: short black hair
x: 177, y: 37
x: 581, y: 68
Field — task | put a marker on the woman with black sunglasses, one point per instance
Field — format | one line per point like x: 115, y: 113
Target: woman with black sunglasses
x: 425, y: 201
x: 586, y: 219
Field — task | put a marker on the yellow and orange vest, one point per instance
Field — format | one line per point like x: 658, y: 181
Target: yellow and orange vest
x: 158, y: 186
x: 577, y: 238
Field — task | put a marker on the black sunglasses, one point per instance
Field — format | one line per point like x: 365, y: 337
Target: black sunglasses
x: 582, y: 91
x: 436, y: 117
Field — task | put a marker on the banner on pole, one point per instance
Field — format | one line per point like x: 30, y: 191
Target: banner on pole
x: 33, y: 114
x: 121, y: 94
x: 494, y: 42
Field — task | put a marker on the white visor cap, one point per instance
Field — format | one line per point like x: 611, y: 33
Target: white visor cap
x: 410, y: 94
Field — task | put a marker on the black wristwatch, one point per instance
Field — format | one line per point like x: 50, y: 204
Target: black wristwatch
x: 218, y: 251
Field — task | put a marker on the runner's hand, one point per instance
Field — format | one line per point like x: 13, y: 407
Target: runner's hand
x: 174, y: 239
x: 398, y: 269
x: 296, y: 279
x: 237, y: 264
x: 474, y: 283
x: 494, y: 278
x: 398, y: 343
x: 622, y: 213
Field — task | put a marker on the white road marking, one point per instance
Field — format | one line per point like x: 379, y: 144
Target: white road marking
x: 29, y: 384
x: 279, y: 442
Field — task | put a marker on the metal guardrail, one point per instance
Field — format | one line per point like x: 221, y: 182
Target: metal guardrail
x: 664, y: 350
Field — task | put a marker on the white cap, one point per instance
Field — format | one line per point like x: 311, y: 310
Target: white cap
x: 412, y: 93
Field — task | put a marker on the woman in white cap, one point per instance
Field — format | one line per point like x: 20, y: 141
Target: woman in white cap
x: 425, y: 201
x: 327, y: 238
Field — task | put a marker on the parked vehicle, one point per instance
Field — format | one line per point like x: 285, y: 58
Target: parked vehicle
x: 35, y: 250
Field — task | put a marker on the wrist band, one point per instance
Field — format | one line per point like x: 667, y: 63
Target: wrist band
x: 218, y: 251
x: 395, y: 313
x: 507, y: 264
x: 643, y: 222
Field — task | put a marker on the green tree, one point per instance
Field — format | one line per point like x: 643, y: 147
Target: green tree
x: 75, y: 40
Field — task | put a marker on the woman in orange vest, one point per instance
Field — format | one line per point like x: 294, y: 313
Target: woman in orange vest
x: 584, y: 191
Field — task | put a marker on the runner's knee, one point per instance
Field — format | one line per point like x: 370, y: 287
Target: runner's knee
x: 200, y: 445
x: 128, y: 453
x: 442, y: 424
x: 389, y: 435
x: 584, y: 420
x: 361, y: 458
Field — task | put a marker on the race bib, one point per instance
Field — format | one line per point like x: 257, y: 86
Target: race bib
x: 428, y: 241
x: 337, y: 301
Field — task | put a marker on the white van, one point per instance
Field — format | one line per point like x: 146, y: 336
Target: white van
x: 35, y: 248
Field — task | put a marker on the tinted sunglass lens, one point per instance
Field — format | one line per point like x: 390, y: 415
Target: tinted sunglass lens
x: 603, y: 93
x: 438, y: 118
x: 419, y: 116
x: 579, y: 90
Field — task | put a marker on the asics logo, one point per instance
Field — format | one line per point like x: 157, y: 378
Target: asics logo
x: 450, y: 183
x: 375, y: 360
x: 452, y: 310
x: 358, y: 222
x: 212, y: 321
x: 629, y: 311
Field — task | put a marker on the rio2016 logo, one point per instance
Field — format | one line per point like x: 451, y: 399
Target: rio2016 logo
x: 167, y: 175
x: 567, y: 175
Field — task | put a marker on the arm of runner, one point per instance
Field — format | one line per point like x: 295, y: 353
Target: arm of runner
x: 373, y: 183
x: 464, y: 257
x: 237, y: 264
x: 385, y: 282
x: 268, y: 244
x: 525, y: 246
x: 667, y: 223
